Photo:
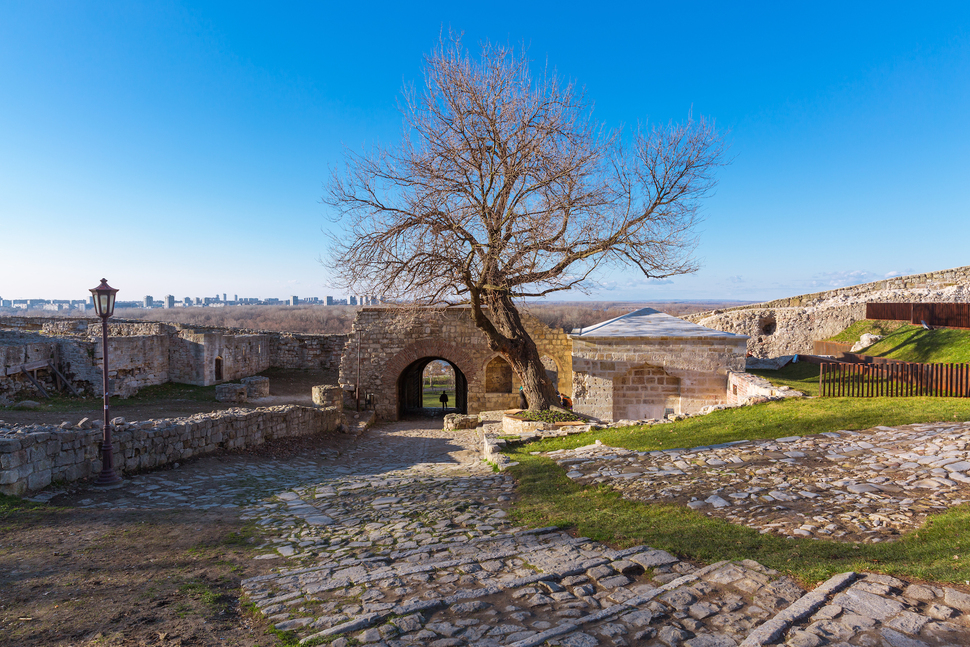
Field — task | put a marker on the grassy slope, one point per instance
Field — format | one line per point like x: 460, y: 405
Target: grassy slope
x: 911, y: 343
x: 549, y: 498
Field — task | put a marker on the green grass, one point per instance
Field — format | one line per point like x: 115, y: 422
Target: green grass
x: 910, y: 343
x: 549, y: 415
x: 146, y: 395
x: 872, y: 326
x: 431, y: 396
x: 793, y: 417
x: 801, y: 376
x: 548, y: 497
x: 916, y: 344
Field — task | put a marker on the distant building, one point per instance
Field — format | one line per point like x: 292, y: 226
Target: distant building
x: 294, y: 301
x: 353, y: 300
x: 149, y: 302
x: 169, y: 301
x: 329, y: 301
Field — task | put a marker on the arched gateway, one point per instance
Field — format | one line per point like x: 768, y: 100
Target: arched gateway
x: 393, y: 357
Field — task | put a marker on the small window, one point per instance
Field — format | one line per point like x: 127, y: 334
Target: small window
x: 218, y: 369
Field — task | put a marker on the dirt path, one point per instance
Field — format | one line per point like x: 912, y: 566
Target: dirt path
x: 128, y: 575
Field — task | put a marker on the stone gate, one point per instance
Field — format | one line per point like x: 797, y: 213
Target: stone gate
x: 393, y: 353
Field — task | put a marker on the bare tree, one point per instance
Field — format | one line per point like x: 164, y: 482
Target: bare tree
x: 503, y: 188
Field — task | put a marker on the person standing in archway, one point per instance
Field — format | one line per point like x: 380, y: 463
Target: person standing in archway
x: 443, y: 400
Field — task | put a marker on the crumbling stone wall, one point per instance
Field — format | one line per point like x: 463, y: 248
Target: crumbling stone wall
x: 147, y: 353
x: 784, y: 331
x: 388, y: 347
x: 790, y: 326
x: 31, y: 457
x: 638, y: 378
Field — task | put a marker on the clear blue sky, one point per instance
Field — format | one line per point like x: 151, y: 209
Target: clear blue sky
x: 197, y: 136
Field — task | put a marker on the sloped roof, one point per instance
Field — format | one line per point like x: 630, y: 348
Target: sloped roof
x: 647, y: 322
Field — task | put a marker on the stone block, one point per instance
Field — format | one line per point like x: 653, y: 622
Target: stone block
x: 457, y: 421
x: 256, y: 386
x: 231, y: 393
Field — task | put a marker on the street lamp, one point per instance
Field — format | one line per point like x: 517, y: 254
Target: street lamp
x: 104, y: 306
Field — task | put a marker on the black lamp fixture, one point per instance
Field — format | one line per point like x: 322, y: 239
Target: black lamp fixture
x: 104, y: 306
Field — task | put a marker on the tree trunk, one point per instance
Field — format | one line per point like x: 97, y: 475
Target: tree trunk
x: 507, y: 336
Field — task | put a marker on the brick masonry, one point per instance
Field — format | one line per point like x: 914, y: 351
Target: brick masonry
x: 639, y: 378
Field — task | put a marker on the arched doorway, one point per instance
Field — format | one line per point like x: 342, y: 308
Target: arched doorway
x: 219, y: 369
x: 410, y: 389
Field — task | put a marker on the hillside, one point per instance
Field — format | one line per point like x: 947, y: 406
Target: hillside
x: 910, y: 343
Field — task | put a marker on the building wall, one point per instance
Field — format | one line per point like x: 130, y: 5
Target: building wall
x: 629, y: 378
x: 389, y: 344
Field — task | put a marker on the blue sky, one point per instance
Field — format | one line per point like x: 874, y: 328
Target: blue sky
x: 198, y: 136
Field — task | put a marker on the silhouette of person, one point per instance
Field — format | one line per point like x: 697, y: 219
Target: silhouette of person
x: 443, y: 400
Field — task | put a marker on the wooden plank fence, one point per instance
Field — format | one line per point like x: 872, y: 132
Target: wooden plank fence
x: 943, y: 315
x: 833, y: 348
x: 894, y: 380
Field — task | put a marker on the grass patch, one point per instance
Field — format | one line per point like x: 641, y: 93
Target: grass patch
x: 935, y: 552
x: 801, y: 376
x: 872, y: 326
x: 909, y: 343
x: 792, y: 417
x: 10, y: 504
x: 547, y: 497
x: 173, y: 391
x: 548, y: 415
x: 155, y: 394
x: 916, y: 344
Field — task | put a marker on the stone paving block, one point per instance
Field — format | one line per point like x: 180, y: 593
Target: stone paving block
x: 419, y: 552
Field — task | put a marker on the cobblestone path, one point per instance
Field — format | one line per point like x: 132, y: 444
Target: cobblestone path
x: 402, y: 538
x: 865, y: 486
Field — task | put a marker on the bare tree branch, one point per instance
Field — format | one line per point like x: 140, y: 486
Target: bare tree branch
x: 504, y: 187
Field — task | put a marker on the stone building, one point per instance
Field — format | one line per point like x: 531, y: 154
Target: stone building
x: 646, y: 364
x: 394, y: 351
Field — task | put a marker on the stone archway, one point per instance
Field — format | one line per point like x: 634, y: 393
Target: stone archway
x: 401, y: 384
x: 410, y: 388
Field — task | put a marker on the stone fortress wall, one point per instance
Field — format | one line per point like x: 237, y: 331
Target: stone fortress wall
x: 790, y: 326
x: 147, y: 353
x: 391, y: 344
x: 34, y: 456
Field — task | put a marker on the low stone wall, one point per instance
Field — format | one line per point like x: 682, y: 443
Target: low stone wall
x: 34, y: 456
x: 744, y: 387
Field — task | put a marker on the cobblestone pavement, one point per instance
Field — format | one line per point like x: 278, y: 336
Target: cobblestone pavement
x: 402, y: 538
x: 865, y: 486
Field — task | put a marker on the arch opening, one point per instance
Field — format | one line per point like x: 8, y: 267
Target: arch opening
x: 421, y: 384
x: 219, y: 377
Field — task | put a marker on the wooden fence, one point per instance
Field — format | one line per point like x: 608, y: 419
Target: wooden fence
x: 944, y: 315
x: 896, y: 379
x: 833, y: 348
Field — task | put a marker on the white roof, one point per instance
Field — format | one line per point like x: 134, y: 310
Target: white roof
x: 648, y: 322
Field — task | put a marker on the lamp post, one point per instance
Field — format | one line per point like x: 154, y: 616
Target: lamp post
x: 104, y: 306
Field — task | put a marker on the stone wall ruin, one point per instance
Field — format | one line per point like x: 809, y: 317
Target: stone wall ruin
x: 790, y: 326
x: 149, y: 353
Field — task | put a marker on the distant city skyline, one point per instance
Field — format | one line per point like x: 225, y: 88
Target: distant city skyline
x: 180, y: 148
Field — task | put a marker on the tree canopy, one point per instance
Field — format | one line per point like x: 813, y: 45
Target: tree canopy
x: 504, y: 186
